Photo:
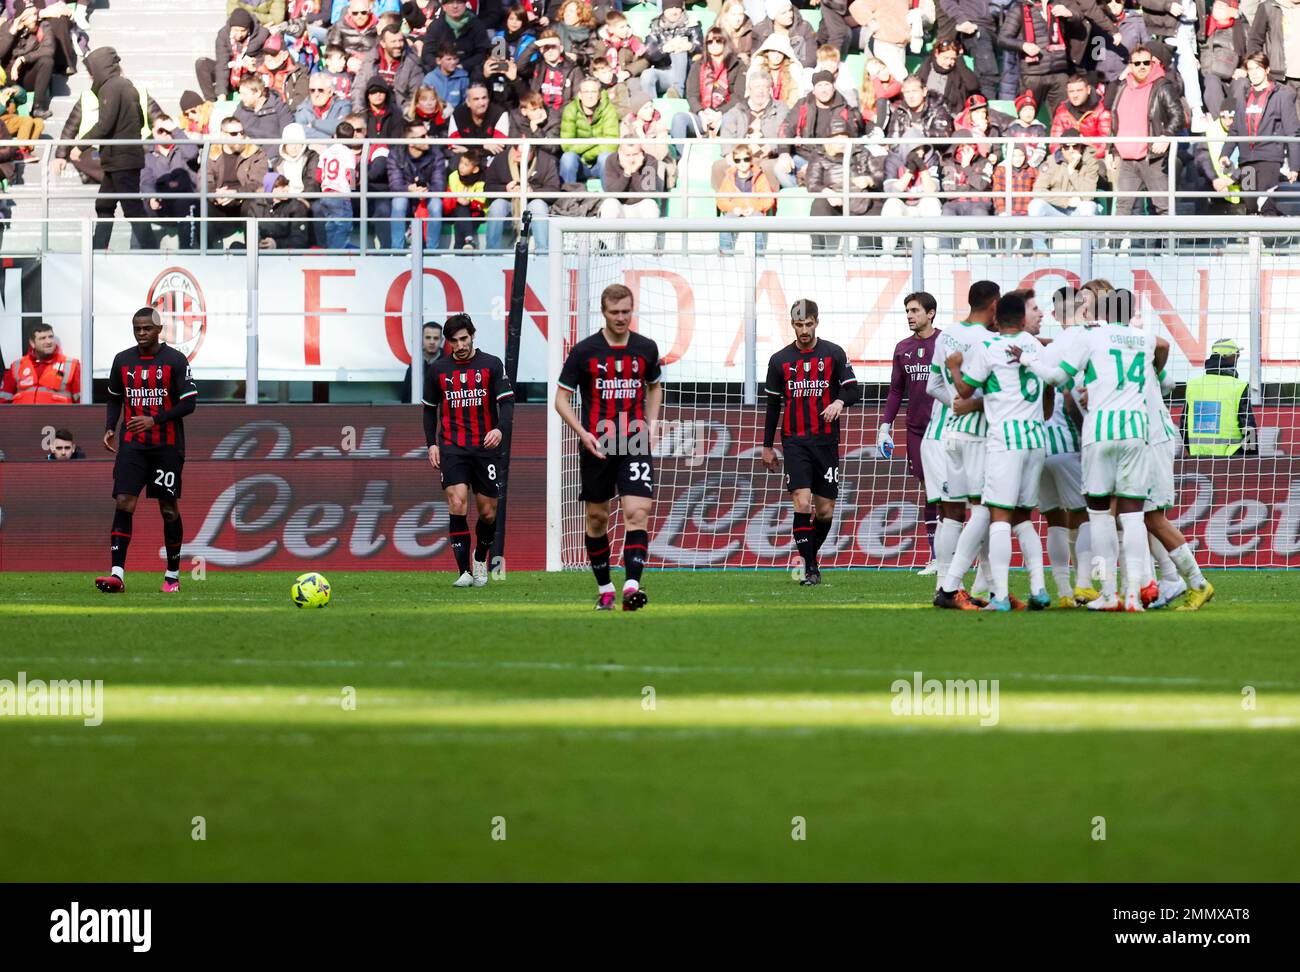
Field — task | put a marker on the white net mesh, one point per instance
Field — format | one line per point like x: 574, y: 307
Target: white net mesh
x: 717, y: 318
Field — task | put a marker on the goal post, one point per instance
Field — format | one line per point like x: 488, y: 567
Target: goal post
x: 718, y: 314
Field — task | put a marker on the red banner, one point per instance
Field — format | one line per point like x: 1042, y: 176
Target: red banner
x: 342, y: 486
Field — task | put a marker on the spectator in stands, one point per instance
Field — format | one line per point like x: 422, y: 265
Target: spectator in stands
x: 622, y: 48
x: 1026, y: 125
x: 336, y: 69
x: 1083, y: 111
x: 64, y: 447
x: 532, y: 119
x: 1273, y: 29
x: 338, y: 178
x: 946, y: 74
x: 315, y: 16
x: 1035, y: 32
x: 519, y: 34
x: 44, y: 375
x: 395, y: 63
x: 418, y: 169
x: 57, y: 20
x: 1265, y: 110
x: 590, y: 115
x: 644, y: 120
x: 479, y: 117
x: 745, y: 191
x: 673, y: 39
x: 356, y: 33
x: 1175, y: 25
x: 235, y: 166
x: 25, y: 128
x: 783, y: 21
x: 919, y: 109
x: 448, y: 78
x: 27, y: 55
x: 815, y: 117
x: 775, y: 59
x: 429, y: 109
x: 321, y: 113
x: 966, y: 171
x: 978, y: 121
x: 1023, y: 179
x: 238, y: 45
x: 383, y: 119
x: 269, y: 13
x: 462, y: 29
x: 627, y: 172
x: 735, y: 23
x: 550, y: 73
x: 541, y: 181
x: 262, y: 112
x: 281, y: 73
x: 879, y: 92
x: 431, y: 348
x: 825, y: 180
x: 283, y: 219
x: 1072, y: 180
x: 1143, y: 105
x: 1215, y: 159
x: 892, y: 34
x: 171, y: 166
x: 758, y: 116
x: 576, y: 28
x: 911, y: 169
x: 120, y: 117
x: 616, y: 91
x: 1110, y: 52
x: 298, y: 162
x: 713, y: 86
x: 467, y: 207
x: 1224, y: 46
x: 828, y: 59
x: 976, y: 32
x: 195, y: 113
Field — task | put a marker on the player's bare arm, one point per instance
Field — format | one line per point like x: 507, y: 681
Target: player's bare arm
x: 564, y: 405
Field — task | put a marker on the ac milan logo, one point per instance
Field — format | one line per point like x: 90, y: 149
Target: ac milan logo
x: 178, y: 298
x: 821, y: 365
x: 636, y: 364
x: 158, y: 374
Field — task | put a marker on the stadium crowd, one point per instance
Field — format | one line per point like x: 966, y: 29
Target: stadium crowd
x: 961, y: 84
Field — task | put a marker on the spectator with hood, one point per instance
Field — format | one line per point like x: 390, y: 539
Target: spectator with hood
x: 239, y: 44
x: 120, y: 117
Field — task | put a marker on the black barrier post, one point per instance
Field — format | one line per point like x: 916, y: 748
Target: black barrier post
x: 514, y: 329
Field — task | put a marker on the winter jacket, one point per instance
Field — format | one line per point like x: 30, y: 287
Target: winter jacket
x: 1165, y: 115
x: 302, y: 172
x: 521, y: 127
x: 175, y: 172
x: 961, y: 11
x: 809, y: 119
x: 603, y: 123
x: 224, y: 54
x: 355, y: 38
x: 828, y: 173
x: 250, y: 171
x: 735, y: 84
x: 429, y: 170
x: 267, y: 12
x: 557, y: 84
x: 119, y: 112
x: 974, y: 178
x: 1067, y: 180
x: 736, y: 123
x: 617, y: 182
x: 801, y: 36
x: 933, y: 119
x: 1159, y: 20
x: 451, y: 88
x: 266, y: 122
x: 472, y: 43
x: 1224, y: 52
x: 1266, y: 34
x: 543, y: 179
x: 1112, y: 60
x: 1092, y: 120
x: 1053, y: 56
x: 660, y: 33
x: 322, y: 126
x: 408, y: 78
x: 1276, y: 117
x: 285, y: 220
x: 962, y: 83
x: 760, y: 197
x: 29, y: 45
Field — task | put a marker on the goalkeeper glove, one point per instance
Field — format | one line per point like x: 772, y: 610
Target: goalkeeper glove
x: 885, y: 442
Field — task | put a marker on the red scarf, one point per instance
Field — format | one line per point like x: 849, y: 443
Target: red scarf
x: 715, y: 85
x: 1211, y: 25
x: 1053, y: 28
x: 1253, y: 98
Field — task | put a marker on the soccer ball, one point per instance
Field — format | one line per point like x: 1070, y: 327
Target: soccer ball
x: 310, y: 591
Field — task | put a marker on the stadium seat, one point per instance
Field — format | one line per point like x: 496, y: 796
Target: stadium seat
x: 699, y: 178
x: 705, y: 17
x: 814, y: 18
x: 670, y: 106
x: 794, y: 202
x: 640, y: 16
x: 1006, y: 107
x: 856, y: 66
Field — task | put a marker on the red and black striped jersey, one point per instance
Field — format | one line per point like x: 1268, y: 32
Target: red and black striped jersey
x: 612, y: 381
x: 467, y: 396
x: 806, y: 382
x: 151, y: 385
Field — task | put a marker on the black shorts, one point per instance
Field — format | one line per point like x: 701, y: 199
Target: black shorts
x: 814, y: 465
x: 481, y: 471
x: 156, y: 471
x: 626, y: 475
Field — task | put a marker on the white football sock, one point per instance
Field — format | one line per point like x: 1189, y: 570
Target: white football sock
x: 1185, y: 561
x: 631, y: 585
x: 1083, y: 555
x: 605, y: 589
x: 1165, y: 563
x: 983, y: 576
x: 119, y: 572
x: 1136, y: 550
x: 1105, y: 547
x: 968, y: 544
x: 999, y: 558
x: 1031, y: 550
x: 171, y: 575
x: 945, y: 543
x: 1058, y: 553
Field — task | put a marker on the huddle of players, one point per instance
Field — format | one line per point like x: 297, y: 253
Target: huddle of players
x: 1004, y: 442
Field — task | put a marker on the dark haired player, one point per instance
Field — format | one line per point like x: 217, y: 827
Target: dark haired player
x: 812, y: 383
x: 617, y: 373
x: 468, y: 407
x: 153, y: 380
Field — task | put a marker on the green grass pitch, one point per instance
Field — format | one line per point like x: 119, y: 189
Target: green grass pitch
x: 770, y: 702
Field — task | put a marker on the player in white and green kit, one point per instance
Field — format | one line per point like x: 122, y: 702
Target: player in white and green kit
x: 963, y: 438
x: 1015, y: 404
x: 1114, y: 361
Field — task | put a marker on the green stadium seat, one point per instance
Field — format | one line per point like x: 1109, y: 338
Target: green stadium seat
x: 794, y: 202
x: 705, y: 17
x: 814, y: 18
x: 1006, y: 107
x: 670, y: 106
x: 856, y: 66
x: 699, y: 178
x: 640, y: 16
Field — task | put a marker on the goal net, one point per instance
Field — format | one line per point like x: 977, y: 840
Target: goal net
x: 717, y: 316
